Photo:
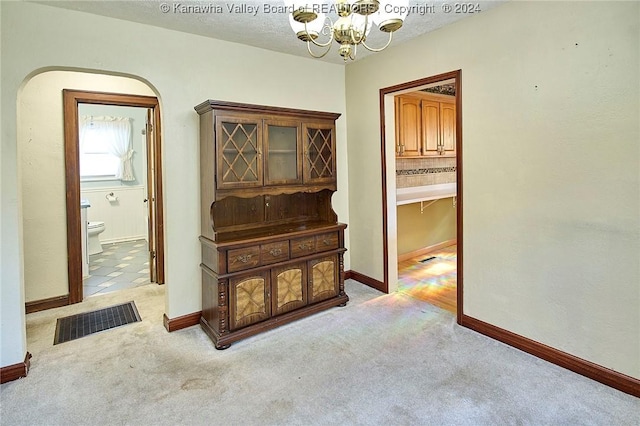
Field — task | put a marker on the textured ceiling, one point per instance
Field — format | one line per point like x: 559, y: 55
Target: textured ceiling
x: 260, y: 23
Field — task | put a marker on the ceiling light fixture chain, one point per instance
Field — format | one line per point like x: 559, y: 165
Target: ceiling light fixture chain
x: 355, y: 20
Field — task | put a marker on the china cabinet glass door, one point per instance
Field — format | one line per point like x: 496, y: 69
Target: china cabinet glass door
x: 320, y: 161
x: 282, y: 144
x: 240, y: 142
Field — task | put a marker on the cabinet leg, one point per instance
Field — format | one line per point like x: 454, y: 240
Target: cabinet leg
x: 223, y: 347
x: 342, y: 305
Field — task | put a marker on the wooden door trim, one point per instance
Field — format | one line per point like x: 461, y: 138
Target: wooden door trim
x: 457, y: 75
x: 71, y: 99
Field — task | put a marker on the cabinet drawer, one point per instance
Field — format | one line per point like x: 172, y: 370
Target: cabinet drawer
x: 274, y: 252
x: 327, y: 242
x: 244, y: 258
x: 303, y: 246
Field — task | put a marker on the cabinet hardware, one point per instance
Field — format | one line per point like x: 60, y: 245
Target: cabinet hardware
x: 326, y: 242
x: 305, y: 246
x: 244, y: 258
x: 275, y: 251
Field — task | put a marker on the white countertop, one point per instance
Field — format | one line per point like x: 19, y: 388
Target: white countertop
x: 416, y: 194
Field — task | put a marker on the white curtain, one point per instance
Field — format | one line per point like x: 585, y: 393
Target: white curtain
x: 115, y: 134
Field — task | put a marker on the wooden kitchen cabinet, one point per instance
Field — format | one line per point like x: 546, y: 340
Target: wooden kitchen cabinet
x: 433, y: 133
x: 408, y: 126
x: 272, y: 249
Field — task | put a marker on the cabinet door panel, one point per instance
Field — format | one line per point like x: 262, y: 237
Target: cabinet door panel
x: 249, y: 299
x: 448, y: 127
x: 283, y: 149
x: 319, y: 152
x: 408, y: 123
x: 239, y: 144
x: 289, y: 288
x: 431, y: 126
x: 323, y: 279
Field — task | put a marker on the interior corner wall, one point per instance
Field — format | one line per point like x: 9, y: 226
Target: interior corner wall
x: 426, y: 225
x: 184, y: 70
x: 551, y: 168
x: 42, y: 173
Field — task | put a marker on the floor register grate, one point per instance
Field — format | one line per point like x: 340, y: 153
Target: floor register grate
x: 80, y: 325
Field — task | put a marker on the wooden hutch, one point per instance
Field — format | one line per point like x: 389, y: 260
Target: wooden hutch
x: 272, y: 249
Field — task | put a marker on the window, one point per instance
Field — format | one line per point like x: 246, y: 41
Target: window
x: 105, y: 148
x: 95, y: 159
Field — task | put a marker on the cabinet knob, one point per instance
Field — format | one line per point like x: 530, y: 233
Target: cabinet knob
x: 245, y: 258
x: 326, y: 242
x: 305, y: 246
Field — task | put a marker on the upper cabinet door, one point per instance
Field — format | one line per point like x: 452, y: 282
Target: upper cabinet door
x: 283, y: 148
x: 319, y: 143
x: 431, y: 126
x: 408, y: 126
x: 448, y: 127
x: 239, y: 146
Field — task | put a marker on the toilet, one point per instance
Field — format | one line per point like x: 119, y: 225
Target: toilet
x: 93, y: 230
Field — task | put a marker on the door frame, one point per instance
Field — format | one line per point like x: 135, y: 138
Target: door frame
x: 71, y: 99
x: 403, y: 87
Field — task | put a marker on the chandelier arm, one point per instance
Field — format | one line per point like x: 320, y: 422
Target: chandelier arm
x: 313, y: 54
x: 353, y: 54
x: 356, y: 41
x: 380, y: 49
x: 320, y: 44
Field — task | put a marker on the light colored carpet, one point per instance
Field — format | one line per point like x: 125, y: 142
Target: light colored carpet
x: 383, y: 359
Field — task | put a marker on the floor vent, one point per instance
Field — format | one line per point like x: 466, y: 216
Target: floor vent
x: 80, y: 325
x: 427, y: 259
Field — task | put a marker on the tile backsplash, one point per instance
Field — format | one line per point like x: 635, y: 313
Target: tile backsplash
x: 424, y: 171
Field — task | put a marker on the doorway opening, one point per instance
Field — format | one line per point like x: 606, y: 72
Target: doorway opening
x: 132, y: 252
x: 421, y: 127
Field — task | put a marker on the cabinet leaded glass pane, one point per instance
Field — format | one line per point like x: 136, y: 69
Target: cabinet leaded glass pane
x: 239, y: 152
x: 320, y: 153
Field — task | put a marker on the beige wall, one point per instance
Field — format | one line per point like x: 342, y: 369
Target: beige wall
x: 434, y: 225
x: 42, y: 173
x: 184, y: 70
x: 550, y: 107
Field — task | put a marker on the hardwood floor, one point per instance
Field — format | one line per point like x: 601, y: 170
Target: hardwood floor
x: 433, y: 281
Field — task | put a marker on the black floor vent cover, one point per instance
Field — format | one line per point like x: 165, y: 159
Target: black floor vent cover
x: 80, y: 325
x: 427, y: 259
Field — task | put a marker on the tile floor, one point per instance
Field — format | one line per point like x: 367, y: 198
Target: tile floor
x: 119, y: 266
x: 433, y: 281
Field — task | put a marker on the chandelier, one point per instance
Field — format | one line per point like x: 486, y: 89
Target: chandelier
x: 354, y: 23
